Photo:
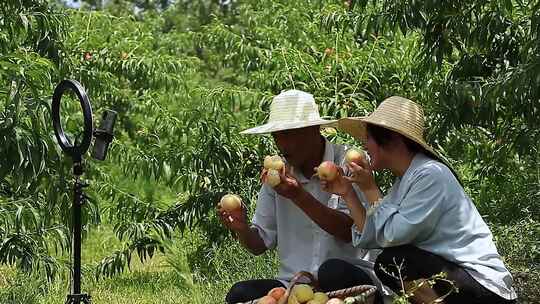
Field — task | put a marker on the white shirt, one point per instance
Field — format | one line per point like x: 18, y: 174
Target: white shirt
x: 300, y: 242
x: 428, y: 208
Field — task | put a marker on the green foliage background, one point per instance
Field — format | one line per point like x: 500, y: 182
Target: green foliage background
x: 186, y: 77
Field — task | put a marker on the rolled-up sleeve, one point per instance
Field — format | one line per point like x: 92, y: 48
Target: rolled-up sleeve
x: 410, y: 219
x: 264, y: 219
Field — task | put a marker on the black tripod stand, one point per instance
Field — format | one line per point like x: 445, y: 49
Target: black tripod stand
x: 103, y: 136
x: 76, y: 297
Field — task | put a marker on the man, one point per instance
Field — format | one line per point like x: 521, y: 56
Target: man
x: 307, y: 225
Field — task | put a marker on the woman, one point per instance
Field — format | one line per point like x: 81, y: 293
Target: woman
x: 426, y: 223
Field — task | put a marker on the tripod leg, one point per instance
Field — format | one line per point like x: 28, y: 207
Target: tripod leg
x: 76, y: 214
x: 78, y: 299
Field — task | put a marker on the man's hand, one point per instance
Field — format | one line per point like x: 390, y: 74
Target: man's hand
x: 235, y: 220
x: 289, y: 186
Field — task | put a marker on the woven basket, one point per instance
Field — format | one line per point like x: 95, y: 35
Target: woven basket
x: 362, y: 294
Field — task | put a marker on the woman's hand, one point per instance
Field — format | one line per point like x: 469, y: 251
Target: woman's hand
x: 362, y: 175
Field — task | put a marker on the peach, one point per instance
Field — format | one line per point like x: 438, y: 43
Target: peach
x: 303, y: 292
x: 329, y: 51
x: 277, y: 163
x: 267, y: 162
x: 267, y: 300
x: 320, y: 297
x: 327, y: 171
x: 277, y: 292
x: 354, y: 156
x: 230, y: 202
x: 335, y: 301
x: 273, y: 178
x: 292, y: 299
x: 273, y: 162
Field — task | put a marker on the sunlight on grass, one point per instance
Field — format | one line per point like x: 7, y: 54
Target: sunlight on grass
x: 165, y: 278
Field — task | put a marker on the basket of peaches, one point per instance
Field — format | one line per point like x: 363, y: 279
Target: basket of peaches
x: 303, y: 289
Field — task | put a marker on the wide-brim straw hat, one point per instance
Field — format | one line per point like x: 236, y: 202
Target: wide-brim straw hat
x: 397, y: 114
x: 292, y: 109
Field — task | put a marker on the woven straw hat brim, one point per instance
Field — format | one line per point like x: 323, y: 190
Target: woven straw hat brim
x: 282, y: 126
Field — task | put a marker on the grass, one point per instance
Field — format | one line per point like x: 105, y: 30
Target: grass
x: 187, y: 274
x: 165, y: 278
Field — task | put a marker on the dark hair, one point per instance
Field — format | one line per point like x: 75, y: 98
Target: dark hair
x: 383, y: 136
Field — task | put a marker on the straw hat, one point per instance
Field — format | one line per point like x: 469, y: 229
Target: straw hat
x: 292, y: 109
x: 398, y: 114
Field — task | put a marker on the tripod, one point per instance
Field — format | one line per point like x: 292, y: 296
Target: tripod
x: 103, y: 137
x: 79, y: 198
